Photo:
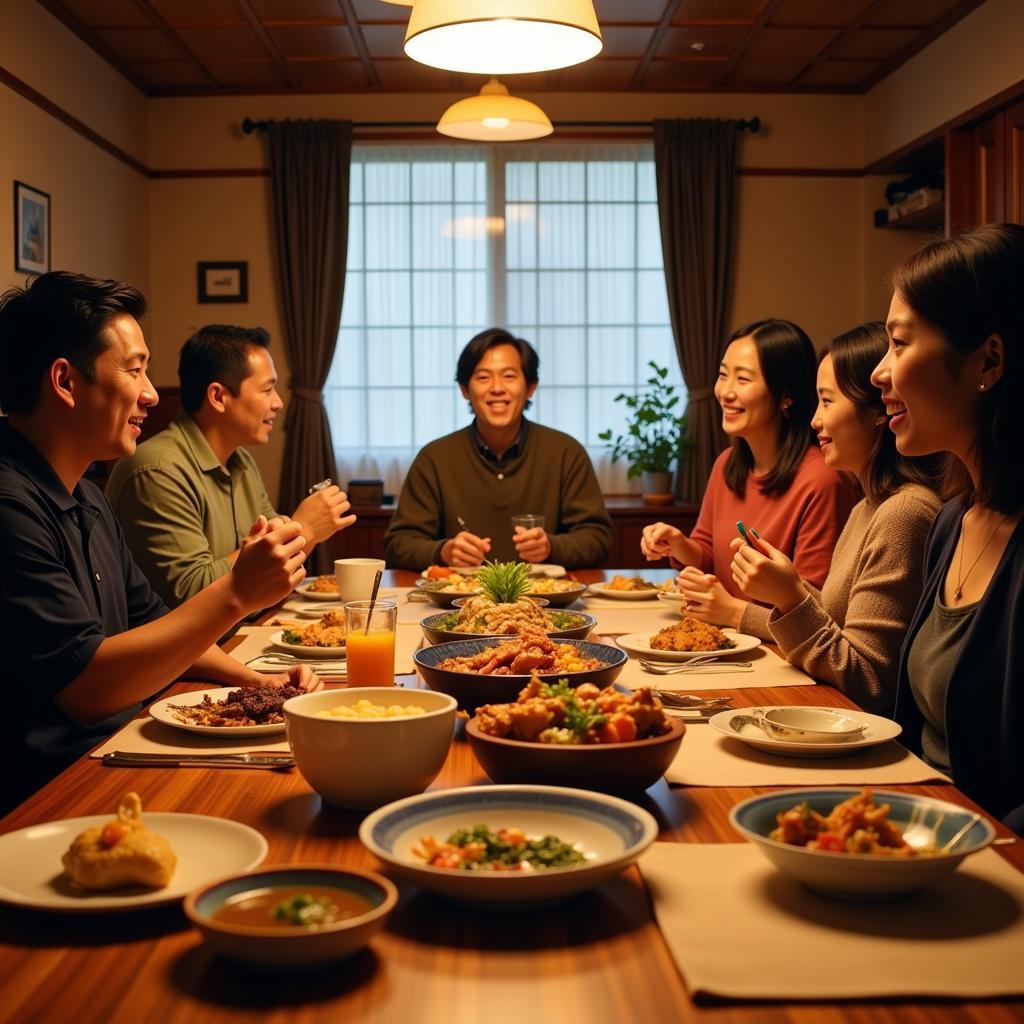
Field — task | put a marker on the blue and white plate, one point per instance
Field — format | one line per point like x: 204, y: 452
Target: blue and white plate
x: 612, y: 833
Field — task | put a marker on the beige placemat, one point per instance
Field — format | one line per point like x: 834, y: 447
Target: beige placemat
x: 147, y: 736
x: 595, y: 601
x: 633, y: 620
x: 738, y: 928
x: 768, y: 669
x: 256, y: 641
x: 707, y: 758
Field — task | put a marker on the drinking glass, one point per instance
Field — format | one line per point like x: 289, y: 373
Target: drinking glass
x: 527, y: 520
x: 370, y: 642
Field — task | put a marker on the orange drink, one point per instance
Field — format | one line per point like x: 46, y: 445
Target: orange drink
x: 371, y: 658
x: 370, y: 642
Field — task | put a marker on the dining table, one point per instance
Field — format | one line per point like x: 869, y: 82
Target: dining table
x: 597, y: 957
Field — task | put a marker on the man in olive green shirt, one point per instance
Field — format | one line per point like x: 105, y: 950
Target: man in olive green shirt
x: 189, y: 496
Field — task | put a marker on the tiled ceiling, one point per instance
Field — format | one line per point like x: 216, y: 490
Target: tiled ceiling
x: 212, y: 47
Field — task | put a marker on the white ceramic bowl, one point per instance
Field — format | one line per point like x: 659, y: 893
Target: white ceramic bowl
x: 861, y: 876
x: 811, y: 725
x: 365, y: 762
x: 612, y: 832
x: 292, y: 948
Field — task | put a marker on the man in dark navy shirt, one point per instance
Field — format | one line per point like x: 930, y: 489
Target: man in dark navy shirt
x: 87, y: 640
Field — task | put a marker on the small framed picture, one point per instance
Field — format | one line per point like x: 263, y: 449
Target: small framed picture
x: 31, y: 230
x: 223, y: 282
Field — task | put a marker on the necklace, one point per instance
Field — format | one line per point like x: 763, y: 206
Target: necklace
x: 961, y: 576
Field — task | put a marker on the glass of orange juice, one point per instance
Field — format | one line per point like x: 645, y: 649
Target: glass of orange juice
x: 370, y: 642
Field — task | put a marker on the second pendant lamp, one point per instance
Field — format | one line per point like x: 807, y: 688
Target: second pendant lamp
x: 494, y: 116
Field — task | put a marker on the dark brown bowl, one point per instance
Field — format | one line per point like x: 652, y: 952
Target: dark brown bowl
x: 606, y: 767
x: 560, y: 598
x: 471, y: 689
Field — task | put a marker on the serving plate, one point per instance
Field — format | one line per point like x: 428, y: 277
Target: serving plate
x: 31, y: 873
x: 638, y: 643
x: 434, y: 631
x: 315, y: 595
x: 878, y: 730
x: 612, y: 832
x: 300, y: 651
x: 601, y: 590
x: 161, y: 711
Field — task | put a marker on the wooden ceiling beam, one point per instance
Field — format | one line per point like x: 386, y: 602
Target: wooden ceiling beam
x: 177, y: 42
x: 655, y: 41
x: 824, y: 54
x: 359, y: 42
x: 751, y: 34
x: 267, y: 40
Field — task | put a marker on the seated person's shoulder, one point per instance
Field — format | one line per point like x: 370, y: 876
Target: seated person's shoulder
x: 162, y: 452
x: 912, y: 501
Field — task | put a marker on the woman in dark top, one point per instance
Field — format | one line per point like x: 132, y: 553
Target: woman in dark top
x: 950, y: 380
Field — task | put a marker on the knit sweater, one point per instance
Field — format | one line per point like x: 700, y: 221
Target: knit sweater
x: 449, y: 478
x: 849, y: 635
x: 803, y: 522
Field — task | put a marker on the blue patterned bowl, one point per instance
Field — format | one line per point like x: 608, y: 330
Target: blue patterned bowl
x: 471, y: 689
x: 612, y: 833
x: 857, y: 876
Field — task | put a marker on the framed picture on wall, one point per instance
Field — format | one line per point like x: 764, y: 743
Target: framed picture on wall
x: 31, y: 230
x: 223, y: 282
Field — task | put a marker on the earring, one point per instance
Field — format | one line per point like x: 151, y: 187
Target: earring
x: 981, y: 386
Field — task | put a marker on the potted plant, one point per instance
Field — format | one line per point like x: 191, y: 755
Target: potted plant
x: 654, y: 437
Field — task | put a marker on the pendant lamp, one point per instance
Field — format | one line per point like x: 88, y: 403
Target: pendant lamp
x: 502, y: 37
x: 494, y: 116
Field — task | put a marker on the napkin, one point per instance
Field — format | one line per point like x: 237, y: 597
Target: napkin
x: 707, y: 758
x: 740, y: 929
x: 768, y: 670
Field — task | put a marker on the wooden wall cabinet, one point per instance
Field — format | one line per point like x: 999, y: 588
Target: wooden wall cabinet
x: 985, y: 171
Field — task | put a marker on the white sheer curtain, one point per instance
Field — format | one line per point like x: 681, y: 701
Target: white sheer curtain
x: 559, y: 243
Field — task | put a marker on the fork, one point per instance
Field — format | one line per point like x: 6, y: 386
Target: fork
x: 697, y: 665
x: 691, y: 701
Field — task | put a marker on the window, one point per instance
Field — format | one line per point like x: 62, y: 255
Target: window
x: 559, y: 244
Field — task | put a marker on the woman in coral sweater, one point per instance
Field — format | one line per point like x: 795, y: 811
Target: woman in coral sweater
x: 773, y: 477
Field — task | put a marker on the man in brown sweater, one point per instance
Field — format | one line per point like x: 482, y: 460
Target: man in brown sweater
x: 462, y: 490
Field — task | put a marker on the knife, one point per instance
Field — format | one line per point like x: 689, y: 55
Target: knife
x: 247, y: 759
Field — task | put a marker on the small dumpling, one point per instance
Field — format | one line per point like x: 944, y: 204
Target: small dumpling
x: 120, y: 853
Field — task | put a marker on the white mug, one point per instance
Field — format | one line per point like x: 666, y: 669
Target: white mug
x: 355, y: 577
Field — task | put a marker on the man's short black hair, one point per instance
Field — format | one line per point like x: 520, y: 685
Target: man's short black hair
x: 216, y: 353
x: 59, y: 315
x: 476, y: 348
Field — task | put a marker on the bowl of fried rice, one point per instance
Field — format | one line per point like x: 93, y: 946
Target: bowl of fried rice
x: 495, y: 669
x: 860, y: 844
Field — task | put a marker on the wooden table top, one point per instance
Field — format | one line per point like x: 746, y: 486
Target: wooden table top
x: 597, y: 958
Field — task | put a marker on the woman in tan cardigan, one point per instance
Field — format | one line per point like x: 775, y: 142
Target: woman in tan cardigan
x: 849, y: 634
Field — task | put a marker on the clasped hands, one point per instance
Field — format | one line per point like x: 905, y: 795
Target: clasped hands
x: 466, y: 550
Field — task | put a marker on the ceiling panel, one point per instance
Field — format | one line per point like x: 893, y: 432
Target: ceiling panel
x: 719, y: 10
x: 882, y: 44
x: 840, y: 73
x: 308, y: 41
x: 292, y: 46
x: 839, y: 13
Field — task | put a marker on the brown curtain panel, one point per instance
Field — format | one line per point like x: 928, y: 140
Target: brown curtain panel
x: 309, y: 176
x: 695, y: 164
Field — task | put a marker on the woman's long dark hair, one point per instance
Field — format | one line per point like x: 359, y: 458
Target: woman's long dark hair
x: 789, y: 367
x: 969, y: 288
x: 855, y: 354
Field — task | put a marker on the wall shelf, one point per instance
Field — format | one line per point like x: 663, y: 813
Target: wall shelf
x: 932, y: 216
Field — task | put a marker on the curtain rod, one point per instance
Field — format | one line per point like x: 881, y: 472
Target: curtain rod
x: 752, y: 124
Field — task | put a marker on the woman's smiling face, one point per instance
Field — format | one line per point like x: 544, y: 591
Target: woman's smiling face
x: 846, y: 431
x: 748, y: 408
x: 931, y: 402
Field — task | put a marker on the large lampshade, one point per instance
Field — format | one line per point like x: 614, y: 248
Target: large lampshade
x: 502, y: 37
x: 494, y: 116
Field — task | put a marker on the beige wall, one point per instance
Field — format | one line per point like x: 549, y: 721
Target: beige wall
x: 99, y: 206
x: 979, y: 57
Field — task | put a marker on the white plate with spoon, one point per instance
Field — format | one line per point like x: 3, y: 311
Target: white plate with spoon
x: 739, y: 724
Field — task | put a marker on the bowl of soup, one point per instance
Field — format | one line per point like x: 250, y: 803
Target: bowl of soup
x: 297, y: 916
